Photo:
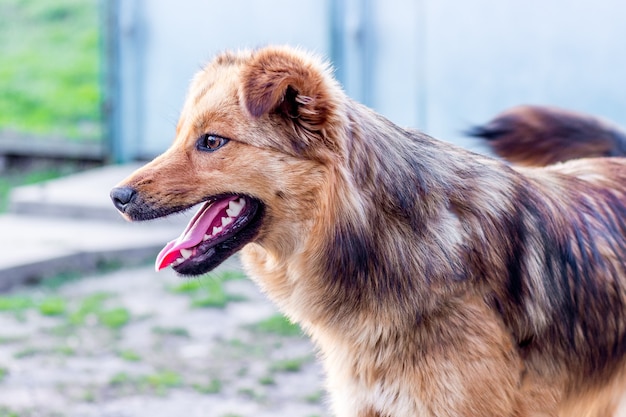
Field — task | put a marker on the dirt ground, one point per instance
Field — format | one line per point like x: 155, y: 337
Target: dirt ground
x: 134, y: 342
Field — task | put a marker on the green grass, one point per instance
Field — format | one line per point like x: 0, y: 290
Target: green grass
x: 289, y: 365
x: 129, y: 355
x: 64, y: 350
x: 252, y: 394
x: 120, y: 378
x: 8, y: 340
x: 89, y: 396
x: 31, y: 351
x: 278, y: 324
x: 159, y: 382
x: 208, y: 291
x: 50, y: 72
x: 214, y: 296
x: 206, y: 282
x: 90, y: 306
x: 57, y: 281
x: 93, y: 306
x: 315, y: 398
x: 213, y: 387
x: 115, y: 318
x: 171, y: 331
x: 90, y: 310
x: 5, y: 412
x: 27, y: 352
x: 15, y: 303
x: 267, y: 380
x: 52, y: 306
x: 229, y: 275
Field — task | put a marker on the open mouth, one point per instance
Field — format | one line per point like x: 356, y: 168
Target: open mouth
x: 222, y: 226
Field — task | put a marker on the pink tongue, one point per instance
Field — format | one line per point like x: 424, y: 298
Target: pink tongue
x: 193, y: 233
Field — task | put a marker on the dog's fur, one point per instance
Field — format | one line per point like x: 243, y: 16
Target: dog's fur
x: 539, y: 136
x: 434, y: 281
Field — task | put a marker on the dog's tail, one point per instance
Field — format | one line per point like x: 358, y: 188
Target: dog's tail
x: 539, y: 136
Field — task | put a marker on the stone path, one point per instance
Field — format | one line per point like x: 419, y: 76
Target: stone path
x: 134, y: 342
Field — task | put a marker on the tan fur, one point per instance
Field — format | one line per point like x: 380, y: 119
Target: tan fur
x: 435, y: 282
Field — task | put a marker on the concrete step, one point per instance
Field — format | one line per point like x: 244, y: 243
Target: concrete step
x: 34, y: 248
x: 70, y: 224
x: 84, y: 195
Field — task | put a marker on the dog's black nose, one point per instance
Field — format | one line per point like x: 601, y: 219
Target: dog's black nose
x: 122, y: 197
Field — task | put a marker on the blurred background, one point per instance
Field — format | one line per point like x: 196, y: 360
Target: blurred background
x: 106, y: 79
x: 438, y: 65
x: 86, y: 327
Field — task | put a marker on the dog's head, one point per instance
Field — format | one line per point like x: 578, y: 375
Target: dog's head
x: 255, y: 136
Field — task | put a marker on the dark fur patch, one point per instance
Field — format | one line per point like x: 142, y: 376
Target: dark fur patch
x: 582, y: 286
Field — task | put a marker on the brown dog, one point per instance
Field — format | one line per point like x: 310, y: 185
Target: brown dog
x: 435, y: 282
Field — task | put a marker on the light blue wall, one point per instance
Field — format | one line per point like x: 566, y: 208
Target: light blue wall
x: 483, y: 56
x: 163, y: 43
x: 438, y: 65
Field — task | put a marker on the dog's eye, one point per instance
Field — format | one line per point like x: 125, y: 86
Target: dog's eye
x: 211, y: 143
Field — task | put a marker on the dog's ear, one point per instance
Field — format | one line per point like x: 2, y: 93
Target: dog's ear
x: 289, y: 83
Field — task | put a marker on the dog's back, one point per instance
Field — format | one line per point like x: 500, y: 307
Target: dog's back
x: 589, y: 193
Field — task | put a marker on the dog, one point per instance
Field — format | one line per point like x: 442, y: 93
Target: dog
x: 433, y: 281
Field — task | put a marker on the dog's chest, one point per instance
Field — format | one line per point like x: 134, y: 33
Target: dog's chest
x: 362, y: 382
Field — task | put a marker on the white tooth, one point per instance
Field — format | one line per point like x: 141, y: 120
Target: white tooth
x: 186, y: 253
x: 216, y: 230
x: 206, y: 237
x: 226, y: 221
x: 178, y: 262
x: 235, y: 207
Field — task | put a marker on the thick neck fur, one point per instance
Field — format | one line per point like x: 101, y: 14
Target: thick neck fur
x: 392, y: 221
x: 388, y: 227
x: 398, y: 201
